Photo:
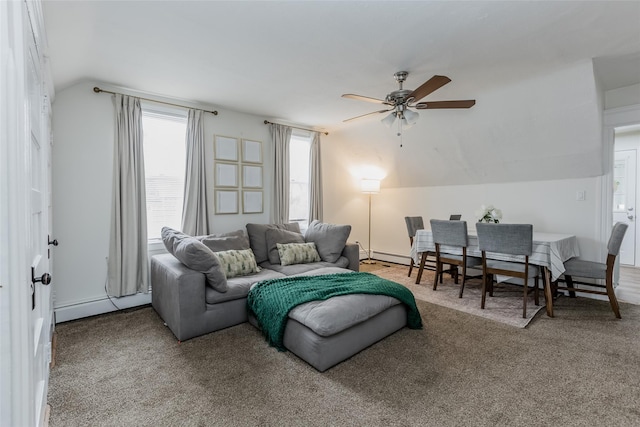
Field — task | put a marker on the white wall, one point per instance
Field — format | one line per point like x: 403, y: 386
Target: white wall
x: 622, y: 97
x: 83, y: 124
x: 551, y: 206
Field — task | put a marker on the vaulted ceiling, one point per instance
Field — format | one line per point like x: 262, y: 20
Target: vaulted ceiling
x: 292, y: 60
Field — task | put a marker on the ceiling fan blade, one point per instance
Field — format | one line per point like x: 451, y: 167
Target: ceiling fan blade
x: 431, y: 85
x: 368, y: 114
x: 445, y: 104
x: 363, y: 98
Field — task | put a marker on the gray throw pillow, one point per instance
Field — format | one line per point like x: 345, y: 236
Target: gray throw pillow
x: 171, y: 237
x: 275, y: 236
x: 239, y: 232
x: 330, y: 239
x: 195, y: 255
x: 226, y: 243
x: 237, y: 239
x: 258, y: 238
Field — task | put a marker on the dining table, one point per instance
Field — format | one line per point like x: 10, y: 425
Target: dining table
x: 550, y: 251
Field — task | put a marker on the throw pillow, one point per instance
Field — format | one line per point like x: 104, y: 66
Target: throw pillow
x: 239, y: 233
x: 258, y: 238
x: 226, y: 243
x: 171, y: 237
x: 330, y: 239
x: 195, y: 255
x: 297, y: 253
x: 275, y: 236
x: 238, y: 262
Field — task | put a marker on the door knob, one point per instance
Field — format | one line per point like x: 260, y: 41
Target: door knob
x: 53, y: 242
x: 45, y: 278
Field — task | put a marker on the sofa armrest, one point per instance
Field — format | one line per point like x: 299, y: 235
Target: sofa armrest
x: 177, y: 292
x: 352, y: 252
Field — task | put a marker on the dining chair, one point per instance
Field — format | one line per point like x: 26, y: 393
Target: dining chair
x: 597, y: 270
x: 454, y: 217
x: 512, y: 240
x: 415, y: 223
x: 448, y: 235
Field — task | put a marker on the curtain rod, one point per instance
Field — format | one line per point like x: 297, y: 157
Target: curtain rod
x: 267, y: 122
x: 98, y: 90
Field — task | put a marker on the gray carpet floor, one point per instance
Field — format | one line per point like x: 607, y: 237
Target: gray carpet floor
x: 577, y: 369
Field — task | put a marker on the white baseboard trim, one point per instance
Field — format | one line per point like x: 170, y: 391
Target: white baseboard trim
x: 101, y: 306
x: 388, y: 257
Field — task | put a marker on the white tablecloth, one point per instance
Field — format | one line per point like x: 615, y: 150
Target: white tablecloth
x: 549, y: 250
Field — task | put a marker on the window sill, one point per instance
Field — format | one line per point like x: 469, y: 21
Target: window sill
x: 155, y: 247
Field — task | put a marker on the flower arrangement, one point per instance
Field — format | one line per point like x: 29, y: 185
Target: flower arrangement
x: 489, y: 214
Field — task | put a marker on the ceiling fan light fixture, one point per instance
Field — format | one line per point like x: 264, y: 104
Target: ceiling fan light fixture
x: 401, y: 99
x: 388, y: 121
x: 411, y: 117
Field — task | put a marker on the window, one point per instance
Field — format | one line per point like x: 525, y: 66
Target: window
x: 299, y: 147
x: 164, y: 165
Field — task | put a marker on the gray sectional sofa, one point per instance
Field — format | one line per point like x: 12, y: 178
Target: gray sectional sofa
x: 194, y: 303
x: 193, y: 298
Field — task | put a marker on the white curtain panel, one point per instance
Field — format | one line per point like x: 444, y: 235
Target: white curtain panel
x: 280, y: 136
x: 195, y: 217
x: 128, y: 265
x: 315, y: 179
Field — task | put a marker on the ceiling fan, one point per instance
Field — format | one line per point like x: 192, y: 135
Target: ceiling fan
x: 402, y: 99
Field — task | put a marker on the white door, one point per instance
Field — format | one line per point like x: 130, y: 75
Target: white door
x: 41, y: 296
x: 624, y: 201
x: 25, y: 305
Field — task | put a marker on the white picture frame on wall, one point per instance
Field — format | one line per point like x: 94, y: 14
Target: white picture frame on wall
x: 251, y: 176
x: 251, y: 201
x: 226, y: 202
x: 226, y: 174
x: 251, y: 151
x: 226, y: 148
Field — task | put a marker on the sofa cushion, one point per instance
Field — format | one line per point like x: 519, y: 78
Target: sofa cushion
x: 289, y: 270
x: 297, y: 253
x: 239, y: 286
x: 237, y: 262
x: 275, y: 236
x: 258, y: 238
x: 195, y: 255
x: 330, y: 239
x: 331, y: 316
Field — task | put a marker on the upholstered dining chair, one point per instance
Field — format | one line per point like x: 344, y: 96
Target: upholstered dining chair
x: 448, y: 234
x: 415, y: 223
x: 597, y: 270
x: 508, y: 239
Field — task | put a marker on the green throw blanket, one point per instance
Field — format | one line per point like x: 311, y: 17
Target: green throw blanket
x: 271, y: 300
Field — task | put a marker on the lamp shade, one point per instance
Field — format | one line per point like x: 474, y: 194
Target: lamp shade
x: 411, y: 117
x: 370, y: 186
x: 388, y: 121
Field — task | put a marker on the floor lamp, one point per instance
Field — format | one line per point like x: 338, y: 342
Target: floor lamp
x: 370, y: 186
